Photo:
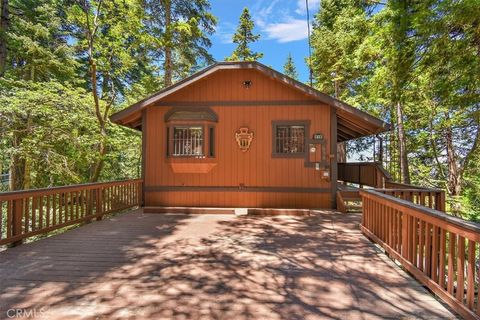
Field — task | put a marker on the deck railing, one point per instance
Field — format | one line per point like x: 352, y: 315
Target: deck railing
x: 363, y: 173
x: 431, y: 198
x: 27, y: 213
x: 439, y: 250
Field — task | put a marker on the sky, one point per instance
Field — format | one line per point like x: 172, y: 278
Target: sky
x: 281, y: 24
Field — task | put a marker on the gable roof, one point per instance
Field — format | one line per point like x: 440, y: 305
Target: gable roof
x: 352, y: 122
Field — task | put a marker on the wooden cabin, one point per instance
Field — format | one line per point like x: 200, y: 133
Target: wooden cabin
x: 242, y: 135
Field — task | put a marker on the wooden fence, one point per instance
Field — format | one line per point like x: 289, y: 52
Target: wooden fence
x: 26, y: 213
x: 439, y: 250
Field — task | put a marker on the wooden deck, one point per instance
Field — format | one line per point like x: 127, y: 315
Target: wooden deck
x: 182, y: 266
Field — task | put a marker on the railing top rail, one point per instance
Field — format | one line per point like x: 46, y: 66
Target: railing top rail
x: 408, y: 190
x: 406, y: 186
x: 358, y: 163
x: 402, y: 204
x: 10, y: 195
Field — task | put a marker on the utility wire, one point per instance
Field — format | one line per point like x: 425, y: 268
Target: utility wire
x: 309, y: 45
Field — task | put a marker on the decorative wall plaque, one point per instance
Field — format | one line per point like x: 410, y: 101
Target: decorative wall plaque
x: 244, y: 139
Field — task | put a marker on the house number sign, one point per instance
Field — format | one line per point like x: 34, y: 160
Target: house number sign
x: 244, y: 139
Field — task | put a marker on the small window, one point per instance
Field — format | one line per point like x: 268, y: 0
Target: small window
x: 188, y: 141
x: 289, y: 139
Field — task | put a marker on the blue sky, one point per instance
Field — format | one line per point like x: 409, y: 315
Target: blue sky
x: 281, y: 24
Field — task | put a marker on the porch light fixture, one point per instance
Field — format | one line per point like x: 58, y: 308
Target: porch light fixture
x: 247, y: 84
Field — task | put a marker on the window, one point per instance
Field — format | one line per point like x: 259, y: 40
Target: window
x: 289, y: 138
x: 188, y: 141
x: 190, y: 132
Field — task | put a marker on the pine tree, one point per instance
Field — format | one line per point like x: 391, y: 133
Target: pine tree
x: 179, y: 33
x: 243, y: 37
x: 289, y: 68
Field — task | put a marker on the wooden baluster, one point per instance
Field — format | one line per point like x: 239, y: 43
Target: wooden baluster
x: 34, y: 214
x: 10, y: 219
x: 460, y: 269
x: 82, y: 203
x: 415, y: 242
x: 88, y: 201
x: 72, y: 206
x: 441, y: 263
x: 77, y: 205
x: 404, y: 220
x: 62, y: 205
x: 440, y: 202
x: 1, y: 220
x: 428, y: 249
x: 62, y: 201
x: 40, y: 212
x: 399, y: 231
x: 54, y: 208
x: 17, y: 209
x: 435, y: 249
x: 47, y: 222
x: 390, y: 226
x: 452, y: 240
x: 421, y: 245
x: 99, y: 203
x: 471, y: 274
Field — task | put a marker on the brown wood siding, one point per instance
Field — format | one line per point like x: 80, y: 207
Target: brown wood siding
x: 234, y: 168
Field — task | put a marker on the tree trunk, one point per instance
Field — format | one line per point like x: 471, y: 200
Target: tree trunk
x: 454, y: 180
x: 380, y: 150
x: 342, y: 152
x: 402, y: 146
x: 102, y: 150
x: 27, y: 181
x: 168, y: 65
x: 4, y: 24
x: 16, y: 170
x: 97, y: 166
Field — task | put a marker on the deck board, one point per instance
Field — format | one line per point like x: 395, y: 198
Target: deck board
x: 181, y: 266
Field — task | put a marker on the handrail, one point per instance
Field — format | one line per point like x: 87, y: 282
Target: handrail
x: 25, y: 213
x: 439, y: 250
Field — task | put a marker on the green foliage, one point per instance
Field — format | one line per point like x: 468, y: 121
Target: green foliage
x: 424, y: 55
x: 289, y: 68
x: 69, y: 65
x: 179, y: 29
x: 38, y: 41
x: 243, y: 37
x: 53, y: 126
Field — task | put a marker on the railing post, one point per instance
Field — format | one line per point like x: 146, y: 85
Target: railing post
x: 404, y: 221
x: 99, y: 203
x: 17, y: 209
x: 140, y: 194
x: 440, y: 201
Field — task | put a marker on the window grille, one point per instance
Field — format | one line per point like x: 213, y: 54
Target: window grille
x: 188, y: 141
x: 290, y: 139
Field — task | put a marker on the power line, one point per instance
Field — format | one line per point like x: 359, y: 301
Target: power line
x: 309, y: 45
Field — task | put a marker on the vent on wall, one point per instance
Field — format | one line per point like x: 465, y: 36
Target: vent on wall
x: 247, y: 84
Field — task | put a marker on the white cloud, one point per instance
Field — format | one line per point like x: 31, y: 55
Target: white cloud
x: 313, y: 6
x: 261, y: 15
x: 287, y: 31
x: 225, y: 32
